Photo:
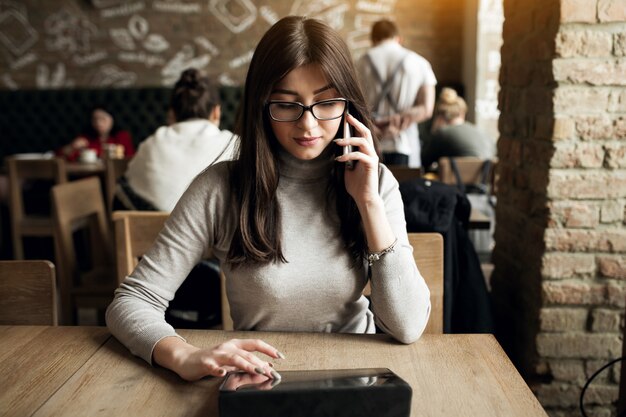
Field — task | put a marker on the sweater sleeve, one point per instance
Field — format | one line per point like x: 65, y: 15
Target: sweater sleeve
x: 136, y: 316
x: 400, y: 296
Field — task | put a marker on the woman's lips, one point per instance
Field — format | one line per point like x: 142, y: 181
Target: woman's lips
x: 307, y: 140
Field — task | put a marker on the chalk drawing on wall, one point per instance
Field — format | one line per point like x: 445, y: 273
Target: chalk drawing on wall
x: 112, y: 76
x: 171, y: 6
x: 90, y: 58
x: 207, y: 45
x: 16, y: 33
x: 236, y: 15
x: 330, y: 11
x: 68, y: 32
x: 8, y: 82
x: 124, y: 9
x: 269, y: 15
x: 185, y: 58
x: 56, y: 78
x: 241, y: 60
x: 359, y: 39
x: 137, y: 31
x: 23, y: 61
x: 224, y: 79
x: 377, y: 7
x: 13, y: 5
x: 100, y: 4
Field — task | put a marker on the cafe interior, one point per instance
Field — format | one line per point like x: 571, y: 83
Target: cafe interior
x: 523, y: 252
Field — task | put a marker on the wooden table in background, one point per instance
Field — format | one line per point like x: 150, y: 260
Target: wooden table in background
x: 69, y: 371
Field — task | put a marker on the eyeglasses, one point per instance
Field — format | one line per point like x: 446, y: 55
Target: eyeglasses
x: 290, y: 111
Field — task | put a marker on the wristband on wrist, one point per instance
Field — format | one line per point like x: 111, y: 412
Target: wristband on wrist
x: 375, y: 256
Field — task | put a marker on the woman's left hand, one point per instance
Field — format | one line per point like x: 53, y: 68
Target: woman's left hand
x: 362, y: 180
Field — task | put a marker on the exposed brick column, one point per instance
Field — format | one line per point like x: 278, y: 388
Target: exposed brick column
x: 559, y: 282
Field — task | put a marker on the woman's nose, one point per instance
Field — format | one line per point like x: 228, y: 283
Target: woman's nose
x: 307, y: 120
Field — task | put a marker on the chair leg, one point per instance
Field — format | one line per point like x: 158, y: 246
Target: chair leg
x: 18, y: 245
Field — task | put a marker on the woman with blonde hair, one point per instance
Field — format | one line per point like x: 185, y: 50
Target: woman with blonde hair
x: 452, y: 135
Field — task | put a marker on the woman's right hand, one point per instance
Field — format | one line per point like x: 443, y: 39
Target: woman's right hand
x: 192, y: 363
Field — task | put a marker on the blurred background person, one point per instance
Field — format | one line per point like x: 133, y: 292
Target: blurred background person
x: 452, y: 135
x: 101, y: 131
x: 400, y: 89
x: 167, y: 161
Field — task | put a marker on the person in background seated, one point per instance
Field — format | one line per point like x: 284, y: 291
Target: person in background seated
x: 452, y: 135
x: 400, y: 90
x: 101, y: 131
x: 298, y: 233
x: 167, y: 162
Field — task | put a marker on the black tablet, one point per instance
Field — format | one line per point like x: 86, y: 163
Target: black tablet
x: 341, y: 392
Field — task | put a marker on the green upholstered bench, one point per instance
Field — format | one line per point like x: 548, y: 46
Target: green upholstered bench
x: 43, y: 120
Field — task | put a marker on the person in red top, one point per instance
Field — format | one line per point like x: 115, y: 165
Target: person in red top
x: 101, y: 131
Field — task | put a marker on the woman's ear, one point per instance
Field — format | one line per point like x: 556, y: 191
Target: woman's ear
x: 216, y: 114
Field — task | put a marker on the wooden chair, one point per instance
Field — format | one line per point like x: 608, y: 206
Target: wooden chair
x: 404, y: 173
x: 135, y: 232
x: 79, y: 206
x: 22, y: 223
x: 470, y: 170
x: 428, y: 255
x: 114, y: 169
x: 28, y: 293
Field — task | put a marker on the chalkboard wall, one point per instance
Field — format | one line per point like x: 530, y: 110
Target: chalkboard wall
x: 114, y: 43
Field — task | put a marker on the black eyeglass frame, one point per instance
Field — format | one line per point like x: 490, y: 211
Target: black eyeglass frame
x: 304, y: 108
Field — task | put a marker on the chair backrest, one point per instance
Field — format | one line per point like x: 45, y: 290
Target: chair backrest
x: 428, y: 255
x: 404, y: 173
x: 114, y: 169
x: 135, y: 232
x: 470, y: 170
x: 52, y: 169
x: 28, y: 293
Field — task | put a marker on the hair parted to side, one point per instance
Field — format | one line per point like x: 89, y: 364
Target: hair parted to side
x: 290, y: 43
x: 450, y: 105
x: 194, y: 96
x: 384, y: 29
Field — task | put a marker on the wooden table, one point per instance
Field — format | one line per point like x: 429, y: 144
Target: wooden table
x: 81, y: 169
x: 68, y: 371
x: 478, y: 220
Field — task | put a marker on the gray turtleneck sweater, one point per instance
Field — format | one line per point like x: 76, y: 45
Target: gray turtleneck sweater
x: 316, y: 290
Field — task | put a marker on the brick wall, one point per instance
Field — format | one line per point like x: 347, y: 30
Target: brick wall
x: 115, y: 43
x: 559, y: 282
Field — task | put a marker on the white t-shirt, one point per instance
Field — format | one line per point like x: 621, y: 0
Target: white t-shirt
x: 414, y: 73
x: 167, y: 162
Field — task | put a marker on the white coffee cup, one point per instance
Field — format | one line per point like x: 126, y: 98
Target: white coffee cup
x: 88, y: 155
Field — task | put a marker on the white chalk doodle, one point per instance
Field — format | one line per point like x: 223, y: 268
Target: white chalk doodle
x: 16, y: 33
x: 111, y: 76
x: 101, y: 4
x: 268, y: 14
x: 23, y: 61
x: 224, y: 79
x: 138, y: 26
x: 122, y: 39
x: 69, y: 32
x: 176, y: 7
x: 90, y: 58
x: 359, y: 39
x: 330, y: 11
x: 185, y: 58
x: 207, y: 44
x: 123, y: 10
x: 155, y: 43
x: 56, y: 79
x: 235, y: 22
x: 383, y: 8
x: 9, y: 82
x: 241, y: 60
x: 149, y: 60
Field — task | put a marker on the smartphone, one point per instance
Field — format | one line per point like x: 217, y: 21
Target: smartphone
x: 346, y: 135
x: 343, y: 392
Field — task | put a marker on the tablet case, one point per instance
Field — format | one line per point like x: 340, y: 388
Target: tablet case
x: 348, y: 392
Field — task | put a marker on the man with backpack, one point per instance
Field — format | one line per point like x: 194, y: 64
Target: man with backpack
x: 400, y: 88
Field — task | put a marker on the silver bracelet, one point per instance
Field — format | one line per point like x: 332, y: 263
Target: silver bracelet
x: 375, y: 256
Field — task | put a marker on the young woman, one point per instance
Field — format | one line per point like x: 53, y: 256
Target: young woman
x: 102, y: 130
x: 297, y: 233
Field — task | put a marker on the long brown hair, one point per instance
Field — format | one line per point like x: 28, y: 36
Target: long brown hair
x: 290, y: 43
